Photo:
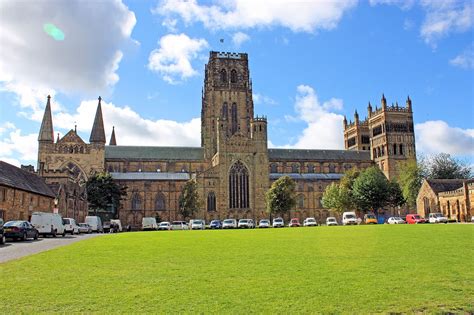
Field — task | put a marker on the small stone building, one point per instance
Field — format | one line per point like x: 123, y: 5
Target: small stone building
x: 22, y: 192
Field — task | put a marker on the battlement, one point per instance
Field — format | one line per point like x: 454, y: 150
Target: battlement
x: 261, y: 119
x: 351, y: 124
x: 227, y: 55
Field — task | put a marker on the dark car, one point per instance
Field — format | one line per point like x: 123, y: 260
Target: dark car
x: 106, y: 227
x: 20, y: 230
x: 2, y: 233
x: 215, y: 224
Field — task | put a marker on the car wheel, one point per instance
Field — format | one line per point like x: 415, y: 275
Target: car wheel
x: 54, y: 233
x: 24, y: 237
x: 2, y: 240
x: 64, y: 233
x: 36, y: 236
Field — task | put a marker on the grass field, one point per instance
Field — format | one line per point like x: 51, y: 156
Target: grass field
x: 416, y: 268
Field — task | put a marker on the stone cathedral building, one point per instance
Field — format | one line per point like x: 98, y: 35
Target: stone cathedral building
x: 233, y: 166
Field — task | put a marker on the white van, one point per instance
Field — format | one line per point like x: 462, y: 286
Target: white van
x: 149, y: 223
x: 71, y: 226
x: 48, y: 223
x: 349, y: 218
x: 118, y: 223
x: 96, y: 223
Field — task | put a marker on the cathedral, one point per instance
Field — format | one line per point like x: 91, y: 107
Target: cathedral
x: 233, y: 167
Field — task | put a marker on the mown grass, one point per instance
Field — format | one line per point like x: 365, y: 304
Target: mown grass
x: 422, y: 268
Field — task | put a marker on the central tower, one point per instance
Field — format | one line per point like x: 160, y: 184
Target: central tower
x: 226, y: 98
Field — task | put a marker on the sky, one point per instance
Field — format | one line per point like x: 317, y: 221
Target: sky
x: 311, y: 63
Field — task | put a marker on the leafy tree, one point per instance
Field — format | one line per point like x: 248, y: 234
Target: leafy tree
x: 338, y: 197
x: 371, y: 190
x: 189, y: 202
x: 103, y: 192
x: 281, y: 197
x: 395, y: 195
x: 443, y: 166
x: 411, y: 175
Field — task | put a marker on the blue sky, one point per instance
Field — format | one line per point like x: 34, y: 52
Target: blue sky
x: 311, y: 63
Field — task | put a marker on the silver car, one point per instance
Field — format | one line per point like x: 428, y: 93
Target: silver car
x: 229, y: 224
x: 85, y: 228
x: 246, y: 223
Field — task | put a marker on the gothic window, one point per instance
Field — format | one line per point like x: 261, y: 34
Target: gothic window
x: 394, y: 149
x: 401, y: 149
x: 225, y: 111
x: 295, y: 168
x: 375, y: 153
x: 234, y: 118
x: 378, y: 152
x: 383, y: 150
x: 301, y: 201
x: 310, y: 168
x: 273, y: 168
x: 160, y: 202
x: 239, y: 186
x: 233, y: 76
x: 136, y: 201
x: 223, y: 76
x: 211, y: 201
x: 110, y: 169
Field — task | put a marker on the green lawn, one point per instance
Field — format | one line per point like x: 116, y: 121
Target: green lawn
x: 416, y: 268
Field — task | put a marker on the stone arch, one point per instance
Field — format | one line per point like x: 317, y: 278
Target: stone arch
x: 160, y: 202
x: 211, y: 201
x: 223, y: 76
x: 233, y: 76
x: 239, y: 192
x: 136, y: 201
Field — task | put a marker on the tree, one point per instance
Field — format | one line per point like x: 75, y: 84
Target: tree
x: 189, y: 202
x: 371, y: 190
x: 395, y: 195
x: 411, y: 175
x: 338, y: 196
x: 103, y: 192
x: 443, y: 166
x: 281, y: 197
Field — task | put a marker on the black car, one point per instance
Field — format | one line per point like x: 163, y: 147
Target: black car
x: 20, y: 230
x: 106, y: 227
x: 2, y: 233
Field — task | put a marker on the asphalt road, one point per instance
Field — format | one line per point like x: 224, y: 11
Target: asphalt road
x: 17, y: 249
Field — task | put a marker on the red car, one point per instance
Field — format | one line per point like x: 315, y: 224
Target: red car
x: 295, y: 222
x: 414, y: 219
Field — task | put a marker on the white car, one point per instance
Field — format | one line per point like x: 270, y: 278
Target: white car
x: 246, y: 223
x: 85, y: 228
x: 349, y: 218
x: 197, y: 225
x: 395, y: 220
x: 437, y: 218
x: 229, y: 224
x: 70, y: 226
x: 164, y: 226
x: 278, y: 222
x: 264, y: 223
x: 179, y: 225
x: 149, y: 224
x: 331, y: 221
x: 310, y: 222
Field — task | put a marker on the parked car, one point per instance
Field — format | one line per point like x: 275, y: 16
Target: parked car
x: 70, y: 226
x: 48, y: 223
x: 96, y: 223
x: 2, y: 233
x: 264, y: 223
x: 245, y: 224
x: 179, y: 225
x: 437, y: 218
x: 331, y: 221
x: 149, y: 224
x: 118, y: 224
x: 198, y: 224
x: 472, y: 219
x: 349, y: 218
x: 370, y: 218
x: 395, y: 220
x: 310, y: 222
x: 20, y: 230
x: 295, y: 222
x: 215, y: 224
x: 414, y: 219
x: 164, y: 226
x: 278, y: 222
x: 106, y: 226
x: 85, y: 228
x: 229, y: 224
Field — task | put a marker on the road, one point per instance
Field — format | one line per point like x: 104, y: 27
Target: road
x: 17, y: 249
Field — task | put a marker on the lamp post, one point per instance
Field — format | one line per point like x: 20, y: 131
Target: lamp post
x: 55, y: 209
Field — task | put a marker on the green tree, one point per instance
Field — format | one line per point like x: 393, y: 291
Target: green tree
x: 189, y: 202
x: 281, y: 196
x: 103, y: 192
x: 444, y: 166
x: 371, y: 190
x: 338, y: 197
x: 411, y: 175
x: 395, y: 195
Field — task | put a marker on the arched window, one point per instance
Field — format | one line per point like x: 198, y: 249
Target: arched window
x: 211, y: 201
x: 401, y: 149
x: 234, y: 118
x: 310, y: 168
x: 160, y: 202
x: 223, y: 76
x: 136, y: 201
x: 394, y: 149
x: 301, y: 201
x: 239, y: 186
x: 378, y: 152
x: 273, y: 168
x: 383, y: 150
x: 295, y: 168
x: 225, y: 111
x: 375, y: 153
x: 233, y: 76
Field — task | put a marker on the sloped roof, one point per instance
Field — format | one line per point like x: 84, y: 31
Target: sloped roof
x: 154, y: 153
x: 150, y: 176
x: 308, y: 176
x: 15, y: 177
x: 441, y: 185
x: 323, y: 155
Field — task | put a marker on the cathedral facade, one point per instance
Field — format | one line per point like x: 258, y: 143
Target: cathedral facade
x: 233, y: 167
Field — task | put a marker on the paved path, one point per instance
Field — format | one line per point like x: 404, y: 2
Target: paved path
x: 17, y: 249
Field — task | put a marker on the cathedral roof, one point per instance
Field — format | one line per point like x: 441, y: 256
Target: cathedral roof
x: 154, y: 153
x: 15, y: 177
x: 307, y: 176
x: 322, y: 155
x: 150, y: 176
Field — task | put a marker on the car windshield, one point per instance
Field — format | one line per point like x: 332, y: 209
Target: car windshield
x: 229, y: 221
x: 263, y: 221
x: 14, y: 223
x: 278, y: 220
x: 243, y: 221
x: 197, y: 222
x: 437, y: 215
x: 310, y: 220
x: 66, y: 221
x: 164, y: 223
x: 350, y: 216
x: 416, y: 217
x: 370, y: 216
x: 331, y: 219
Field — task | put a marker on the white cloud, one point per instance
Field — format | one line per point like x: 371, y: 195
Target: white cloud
x: 15, y: 146
x: 437, y: 136
x: 263, y: 99
x: 404, y: 4
x: 173, y: 58
x: 299, y: 16
x: 239, y: 38
x: 85, y: 61
x: 324, y: 128
x: 465, y: 59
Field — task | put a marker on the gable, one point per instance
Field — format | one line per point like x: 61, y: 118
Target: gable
x: 71, y: 137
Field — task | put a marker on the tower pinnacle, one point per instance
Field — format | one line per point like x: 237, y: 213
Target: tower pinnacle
x: 46, y: 132
x: 112, y: 137
x: 98, y: 133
